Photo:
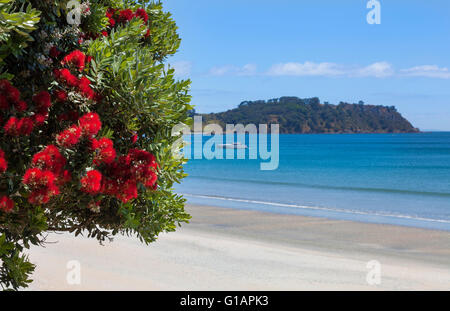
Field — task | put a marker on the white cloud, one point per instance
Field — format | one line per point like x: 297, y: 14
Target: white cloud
x: 378, y: 70
x: 182, y: 68
x: 246, y: 70
x: 325, y: 69
x: 305, y: 69
x: 428, y: 71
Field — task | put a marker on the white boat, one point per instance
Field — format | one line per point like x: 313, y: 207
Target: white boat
x: 232, y: 146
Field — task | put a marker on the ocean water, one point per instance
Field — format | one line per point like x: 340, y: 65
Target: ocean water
x: 401, y: 179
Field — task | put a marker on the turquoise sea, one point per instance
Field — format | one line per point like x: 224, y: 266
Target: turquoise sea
x: 401, y: 179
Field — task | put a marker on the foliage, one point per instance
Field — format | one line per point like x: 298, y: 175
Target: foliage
x: 297, y: 115
x: 15, y: 28
x: 85, y: 127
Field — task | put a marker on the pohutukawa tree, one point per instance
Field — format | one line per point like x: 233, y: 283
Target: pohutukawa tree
x: 86, y: 118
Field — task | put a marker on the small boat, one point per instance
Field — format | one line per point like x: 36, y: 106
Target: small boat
x: 232, y: 146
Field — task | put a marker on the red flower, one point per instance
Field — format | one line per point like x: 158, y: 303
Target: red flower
x: 61, y: 96
x: 110, y: 12
x: 39, y: 119
x: 11, y: 127
x: 112, y: 22
x: 88, y: 59
x: 16, y: 127
x: 102, y: 143
x: 84, y: 87
x: 104, y: 151
x: 21, y: 106
x: 141, y: 156
x: 4, y: 104
x: 92, y: 182
x: 4, y: 85
x: 147, y: 34
x: 90, y: 124
x: 128, y: 191
x: 76, y: 58
x: 134, y: 139
x: 43, y: 195
x: 42, y: 101
x: 10, y: 92
x: 3, y: 165
x: 50, y: 159
x: 54, y: 52
x: 142, y: 14
x: 69, y: 137
x: 6, y: 204
x: 104, y: 33
x: 65, y: 76
x: 41, y: 184
x: 144, y: 166
x: 125, y: 16
x: 25, y: 126
x: 35, y: 177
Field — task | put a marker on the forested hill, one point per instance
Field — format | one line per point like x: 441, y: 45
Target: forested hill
x: 297, y: 115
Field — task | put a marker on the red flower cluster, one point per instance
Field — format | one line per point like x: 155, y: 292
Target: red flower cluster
x: 3, y: 162
x: 17, y: 127
x: 46, y: 174
x: 79, y: 60
x: 104, y: 151
x: 92, y: 182
x: 8, y: 94
x: 6, y: 204
x: 84, y: 86
x: 42, y: 101
x: 50, y: 159
x: 54, y: 52
x: 144, y: 167
x: 21, y: 106
x: 142, y: 14
x: 61, y: 96
x: 110, y: 13
x: 124, y: 16
x: 10, y: 97
x: 65, y: 76
x: 69, y: 137
x: 76, y: 58
x: 90, y: 124
x: 122, y: 176
x: 42, y: 185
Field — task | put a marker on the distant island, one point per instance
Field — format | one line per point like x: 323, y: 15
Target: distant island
x: 309, y: 116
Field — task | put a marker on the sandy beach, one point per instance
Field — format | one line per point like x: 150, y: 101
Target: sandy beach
x: 227, y: 249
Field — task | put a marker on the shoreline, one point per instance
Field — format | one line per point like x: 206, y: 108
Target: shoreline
x: 368, y: 217
x: 228, y: 249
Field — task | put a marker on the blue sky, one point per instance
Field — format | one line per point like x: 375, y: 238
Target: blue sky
x: 238, y: 50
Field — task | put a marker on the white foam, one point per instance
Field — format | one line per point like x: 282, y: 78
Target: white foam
x: 411, y: 217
